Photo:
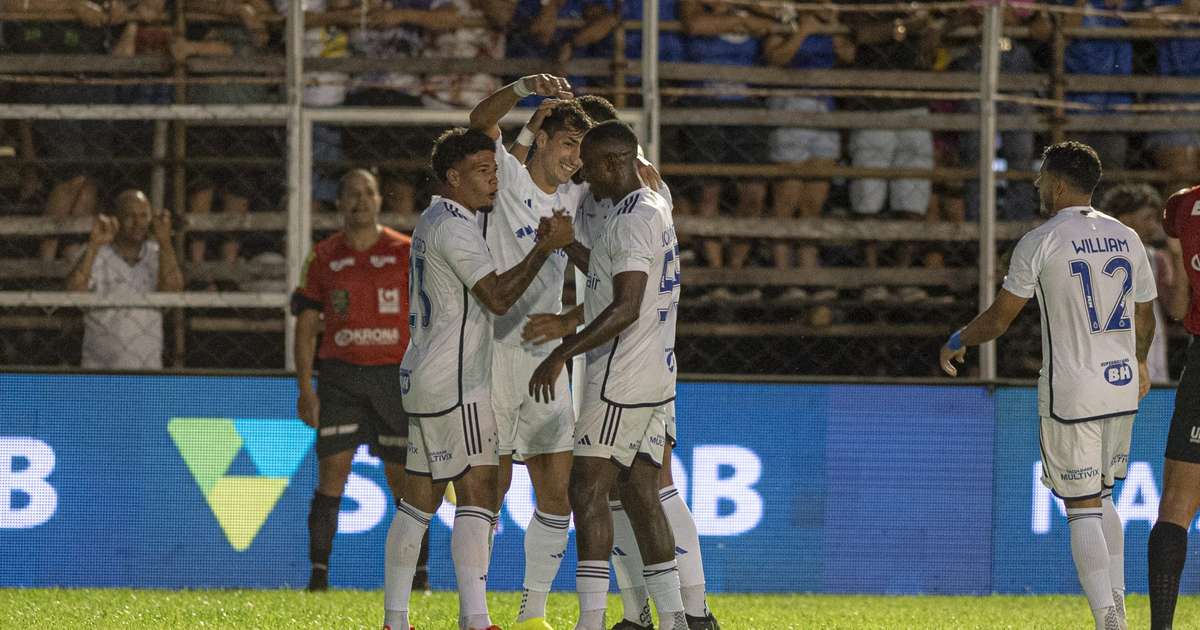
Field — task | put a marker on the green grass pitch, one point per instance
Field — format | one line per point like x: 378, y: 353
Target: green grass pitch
x: 166, y: 610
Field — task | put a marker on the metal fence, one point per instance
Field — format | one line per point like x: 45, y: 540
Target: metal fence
x: 848, y: 177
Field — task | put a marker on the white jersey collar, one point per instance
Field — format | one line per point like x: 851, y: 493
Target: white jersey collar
x: 453, y: 204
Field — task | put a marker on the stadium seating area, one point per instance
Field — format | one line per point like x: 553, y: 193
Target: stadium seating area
x: 830, y: 221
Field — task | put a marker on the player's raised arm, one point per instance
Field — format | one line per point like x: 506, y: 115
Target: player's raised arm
x: 487, y: 114
x: 986, y: 326
x: 520, y: 147
x: 498, y: 292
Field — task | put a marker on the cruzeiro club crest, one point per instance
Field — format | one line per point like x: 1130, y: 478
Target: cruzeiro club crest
x: 241, y: 503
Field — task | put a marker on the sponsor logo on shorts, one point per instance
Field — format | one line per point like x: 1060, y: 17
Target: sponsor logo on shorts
x: 412, y: 449
x: 340, y: 264
x: 367, y: 337
x: 1118, y: 372
x: 405, y: 382
x: 379, y: 261
x: 1120, y: 458
x: 1078, y: 474
x: 389, y: 301
x: 656, y: 440
x: 1195, y: 435
x: 440, y: 456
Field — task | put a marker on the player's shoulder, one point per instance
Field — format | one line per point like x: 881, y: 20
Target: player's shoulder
x: 1180, y: 207
x: 330, y: 246
x: 642, y: 202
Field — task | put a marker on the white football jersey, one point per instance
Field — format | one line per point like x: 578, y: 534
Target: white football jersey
x: 1084, y: 266
x: 593, y: 213
x: 450, y: 347
x: 639, y: 364
x: 511, y: 231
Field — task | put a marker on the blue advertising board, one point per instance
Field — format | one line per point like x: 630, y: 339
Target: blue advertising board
x: 189, y: 481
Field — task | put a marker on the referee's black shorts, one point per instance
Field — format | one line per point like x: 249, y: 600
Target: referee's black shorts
x: 360, y: 404
x: 1183, y: 441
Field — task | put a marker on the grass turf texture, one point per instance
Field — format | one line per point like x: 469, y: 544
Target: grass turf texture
x: 118, y: 608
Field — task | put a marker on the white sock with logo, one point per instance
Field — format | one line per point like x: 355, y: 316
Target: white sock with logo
x: 687, y: 551
x: 591, y: 582
x: 1090, y: 552
x: 1114, y: 539
x: 627, y: 560
x: 401, y: 550
x: 545, y: 545
x: 472, y: 554
x: 662, y: 580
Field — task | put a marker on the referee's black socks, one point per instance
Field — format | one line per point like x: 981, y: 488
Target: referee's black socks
x: 322, y: 526
x: 1167, y: 553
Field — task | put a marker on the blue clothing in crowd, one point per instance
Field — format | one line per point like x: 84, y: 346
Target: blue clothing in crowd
x: 1101, y: 56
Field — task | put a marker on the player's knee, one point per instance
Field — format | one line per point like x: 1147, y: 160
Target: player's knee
x: 1178, y: 506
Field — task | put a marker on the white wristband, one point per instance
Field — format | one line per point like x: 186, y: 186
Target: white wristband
x: 525, y: 138
x: 519, y: 88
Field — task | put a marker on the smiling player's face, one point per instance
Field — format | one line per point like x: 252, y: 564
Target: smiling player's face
x: 558, y: 155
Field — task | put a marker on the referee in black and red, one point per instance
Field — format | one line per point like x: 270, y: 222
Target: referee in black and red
x: 356, y: 281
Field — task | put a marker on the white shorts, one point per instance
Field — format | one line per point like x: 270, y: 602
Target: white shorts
x: 1081, y: 460
x: 445, y: 447
x: 525, y: 426
x: 619, y: 433
x: 668, y: 411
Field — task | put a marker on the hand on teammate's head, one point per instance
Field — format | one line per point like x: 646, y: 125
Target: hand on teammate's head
x: 548, y: 85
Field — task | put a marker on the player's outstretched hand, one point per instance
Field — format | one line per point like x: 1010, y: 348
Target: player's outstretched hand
x: 548, y: 85
x: 949, y: 357
x: 309, y: 407
x: 557, y: 231
x: 545, y: 327
x: 650, y: 176
x: 541, y: 384
x: 1143, y: 379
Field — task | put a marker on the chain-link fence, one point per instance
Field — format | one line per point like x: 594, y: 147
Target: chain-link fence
x: 824, y: 159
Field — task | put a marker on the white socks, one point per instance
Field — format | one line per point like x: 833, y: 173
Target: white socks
x: 1114, y: 538
x: 662, y: 580
x: 400, y: 562
x: 591, y: 582
x: 545, y: 545
x: 687, y: 551
x: 1090, y: 552
x: 627, y: 560
x: 471, y: 550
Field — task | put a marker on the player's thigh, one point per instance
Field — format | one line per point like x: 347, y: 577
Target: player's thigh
x: 1116, y: 435
x: 1072, y: 458
x: 545, y: 427
x: 445, y: 447
x: 344, y: 419
x: 1183, y: 438
x: 619, y: 433
x: 507, y: 394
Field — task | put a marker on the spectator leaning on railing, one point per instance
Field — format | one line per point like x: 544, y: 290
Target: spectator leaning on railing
x: 120, y: 260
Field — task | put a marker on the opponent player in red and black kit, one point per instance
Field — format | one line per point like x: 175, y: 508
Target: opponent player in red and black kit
x: 357, y: 281
x: 1181, y: 468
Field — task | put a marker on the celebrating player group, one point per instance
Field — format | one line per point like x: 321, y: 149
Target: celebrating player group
x: 1095, y: 289
x: 481, y: 372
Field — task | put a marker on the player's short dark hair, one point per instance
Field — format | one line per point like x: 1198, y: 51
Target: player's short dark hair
x: 614, y: 136
x: 454, y: 145
x: 1075, y: 162
x: 1128, y: 198
x: 598, y: 108
x: 341, y: 185
x: 569, y: 116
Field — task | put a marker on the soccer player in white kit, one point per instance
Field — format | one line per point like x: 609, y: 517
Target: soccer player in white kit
x: 589, y: 223
x: 540, y: 434
x: 1084, y: 267
x: 631, y: 305
x: 445, y: 376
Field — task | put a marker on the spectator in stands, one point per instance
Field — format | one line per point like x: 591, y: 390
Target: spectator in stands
x: 807, y: 46
x: 892, y: 41
x: 722, y: 33
x: 79, y: 149
x: 1177, y: 151
x: 250, y: 13
x: 1140, y: 207
x: 1020, y: 201
x: 467, y: 41
x: 1101, y: 56
x: 119, y: 260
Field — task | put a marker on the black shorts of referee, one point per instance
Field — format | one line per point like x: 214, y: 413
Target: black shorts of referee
x: 1183, y: 440
x: 360, y: 404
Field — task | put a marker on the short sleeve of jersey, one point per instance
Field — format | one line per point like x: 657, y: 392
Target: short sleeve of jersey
x: 1024, y: 267
x: 632, y: 244
x: 1145, y: 288
x: 310, y: 293
x: 461, y: 243
x: 508, y: 168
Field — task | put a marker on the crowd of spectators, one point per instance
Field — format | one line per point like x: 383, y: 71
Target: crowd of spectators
x: 67, y: 168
